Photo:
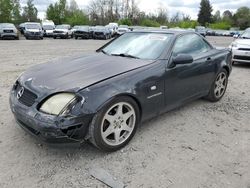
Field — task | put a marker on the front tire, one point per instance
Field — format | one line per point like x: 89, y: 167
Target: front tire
x: 115, y: 124
x: 218, y: 87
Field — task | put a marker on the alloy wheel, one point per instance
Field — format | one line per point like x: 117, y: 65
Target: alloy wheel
x: 220, y: 85
x: 118, y: 123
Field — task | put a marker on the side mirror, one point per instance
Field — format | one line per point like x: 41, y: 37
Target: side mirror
x: 182, y: 59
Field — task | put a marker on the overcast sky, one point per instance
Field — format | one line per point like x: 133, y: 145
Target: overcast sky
x: 190, y: 7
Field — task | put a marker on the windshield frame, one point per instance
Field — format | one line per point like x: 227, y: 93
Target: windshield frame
x: 163, y: 55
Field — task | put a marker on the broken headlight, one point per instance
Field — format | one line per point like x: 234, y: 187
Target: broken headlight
x: 59, y: 104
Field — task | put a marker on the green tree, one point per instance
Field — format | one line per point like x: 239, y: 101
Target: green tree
x: 30, y: 12
x: 241, y: 17
x: 205, y: 13
x: 217, y: 16
x: 57, y: 12
x: 125, y: 21
x: 16, y: 12
x: 5, y: 10
x: 77, y: 18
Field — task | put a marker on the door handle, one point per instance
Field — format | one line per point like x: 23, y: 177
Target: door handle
x: 209, y: 59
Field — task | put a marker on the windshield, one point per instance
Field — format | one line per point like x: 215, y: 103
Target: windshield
x: 123, y: 26
x: 84, y: 28
x: 62, y: 27
x: 48, y: 27
x: 76, y: 27
x: 246, y: 35
x: 100, y: 28
x: 32, y: 26
x: 7, y: 25
x: 140, y: 45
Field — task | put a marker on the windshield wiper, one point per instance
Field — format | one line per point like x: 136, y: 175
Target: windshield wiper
x: 104, y: 52
x: 125, y: 55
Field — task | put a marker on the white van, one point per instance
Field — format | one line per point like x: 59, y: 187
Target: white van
x: 48, y: 28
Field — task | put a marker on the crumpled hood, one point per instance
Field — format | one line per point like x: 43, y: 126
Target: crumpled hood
x: 73, y: 74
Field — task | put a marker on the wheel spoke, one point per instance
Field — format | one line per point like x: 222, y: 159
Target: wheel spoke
x: 125, y: 127
x: 127, y: 115
x: 119, y: 110
x: 109, y: 118
x: 117, y: 136
x: 108, y: 131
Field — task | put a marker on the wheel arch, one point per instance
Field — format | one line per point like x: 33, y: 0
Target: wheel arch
x: 227, y: 69
x: 130, y: 95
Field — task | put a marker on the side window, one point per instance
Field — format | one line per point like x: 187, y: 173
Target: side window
x: 191, y: 44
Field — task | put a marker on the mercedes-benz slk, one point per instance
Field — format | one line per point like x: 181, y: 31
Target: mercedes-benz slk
x: 103, y: 97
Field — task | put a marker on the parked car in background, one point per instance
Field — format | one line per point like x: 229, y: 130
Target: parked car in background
x: 33, y: 30
x: 211, y: 32
x: 48, y: 28
x: 101, y: 32
x: 8, y: 31
x: 163, y: 27
x: 201, y: 30
x: 103, y: 97
x: 74, y: 29
x: 227, y: 34
x: 62, y: 31
x: 111, y: 29
x: 114, y: 26
x: 241, y: 48
x: 122, y: 29
x: 84, y: 32
x: 21, y: 28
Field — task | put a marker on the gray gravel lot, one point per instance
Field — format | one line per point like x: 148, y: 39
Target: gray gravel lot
x: 202, y: 144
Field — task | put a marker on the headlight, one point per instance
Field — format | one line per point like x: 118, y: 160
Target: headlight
x: 58, y: 104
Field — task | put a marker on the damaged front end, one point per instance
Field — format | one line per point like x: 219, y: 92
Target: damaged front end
x: 32, y: 112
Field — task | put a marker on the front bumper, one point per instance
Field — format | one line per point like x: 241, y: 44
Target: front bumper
x: 99, y: 36
x: 33, y: 35
x: 48, y: 128
x: 61, y: 35
x: 9, y: 35
x: 241, y: 55
x: 48, y: 34
x: 85, y: 35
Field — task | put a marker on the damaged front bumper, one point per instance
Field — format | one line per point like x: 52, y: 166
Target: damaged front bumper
x: 49, y: 128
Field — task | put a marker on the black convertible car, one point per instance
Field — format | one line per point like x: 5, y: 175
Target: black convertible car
x: 103, y: 97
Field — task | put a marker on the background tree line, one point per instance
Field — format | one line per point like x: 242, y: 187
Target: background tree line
x: 101, y: 12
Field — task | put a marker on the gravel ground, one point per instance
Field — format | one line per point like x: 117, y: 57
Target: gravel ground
x: 202, y: 144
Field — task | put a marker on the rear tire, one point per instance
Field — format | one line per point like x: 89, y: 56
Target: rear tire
x: 115, y: 124
x: 218, y: 87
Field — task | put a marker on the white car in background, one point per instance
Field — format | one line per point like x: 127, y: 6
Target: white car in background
x: 241, y: 48
x: 48, y: 28
x: 122, y: 29
x: 62, y: 31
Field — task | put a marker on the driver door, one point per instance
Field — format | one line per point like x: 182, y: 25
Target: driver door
x: 185, y: 82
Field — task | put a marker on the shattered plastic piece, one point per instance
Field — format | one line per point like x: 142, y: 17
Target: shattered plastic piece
x: 106, y: 178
